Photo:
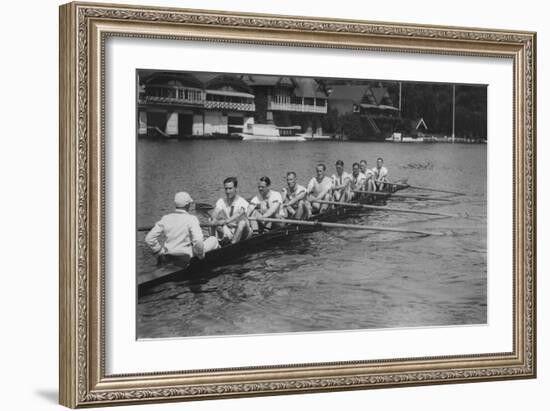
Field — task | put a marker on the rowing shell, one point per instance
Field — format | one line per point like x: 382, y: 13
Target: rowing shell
x: 173, y: 268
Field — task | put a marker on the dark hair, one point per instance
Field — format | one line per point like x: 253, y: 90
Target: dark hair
x: 231, y: 180
x: 291, y: 172
x: 363, y: 161
x: 380, y: 158
x: 340, y: 163
x: 266, y: 180
x: 322, y: 165
x: 355, y: 164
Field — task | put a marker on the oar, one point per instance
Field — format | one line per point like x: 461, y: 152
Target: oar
x: 339, y: 225
x: 399, y: 195
x: 422, y: 188
x: 384, y: 208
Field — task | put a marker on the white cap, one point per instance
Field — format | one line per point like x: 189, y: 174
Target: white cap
x: 182, y: 199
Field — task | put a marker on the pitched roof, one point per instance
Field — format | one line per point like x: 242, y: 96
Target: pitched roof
x: 380, y: 93
x: 348, y: 92
x: 173, y: 79
x: 265, y: 80
x: 419, y: 123
x: 308, y: 87
x: 228, y: 81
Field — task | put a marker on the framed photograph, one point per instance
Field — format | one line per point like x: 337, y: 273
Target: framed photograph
x: 260, y: 204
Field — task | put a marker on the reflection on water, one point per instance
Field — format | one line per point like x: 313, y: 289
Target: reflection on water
x: 328, y: 280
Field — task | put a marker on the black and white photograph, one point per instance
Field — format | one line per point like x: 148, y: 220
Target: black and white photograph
x: 287, y: 204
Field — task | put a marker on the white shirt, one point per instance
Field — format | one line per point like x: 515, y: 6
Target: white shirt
x: 357, y: 182
x: 340, y: 180
x: 238, y: 206
x: 273, y: 198
x: 316, y: 188
x: 381, y: 173
x: 181, y: 229
x: 290, y: 195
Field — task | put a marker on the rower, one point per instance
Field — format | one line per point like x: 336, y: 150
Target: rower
x: 319, y: 188
x: 266, y: 204
x: 229, y: 220
x: 369, y: 176
x: 380, y: 174
x: 340, y: 183
x: 357, y: 181
x: 181, y: 231
x: 294, y: 198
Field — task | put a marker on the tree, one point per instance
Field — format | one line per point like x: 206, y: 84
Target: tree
x: 351, y: 127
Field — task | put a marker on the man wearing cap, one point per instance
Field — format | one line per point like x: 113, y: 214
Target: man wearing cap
x: 182, y: 232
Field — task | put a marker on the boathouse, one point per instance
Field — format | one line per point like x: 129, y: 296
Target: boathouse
x: 288, y: 102
x: 170, y: 105
x: 181, y: 105
x: 229, y: 106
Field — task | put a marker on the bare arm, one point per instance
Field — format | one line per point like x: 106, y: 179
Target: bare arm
x: 298, y: 197
x: 272, y: 210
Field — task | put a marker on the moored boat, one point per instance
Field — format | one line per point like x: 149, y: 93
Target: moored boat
x: 270, y: 132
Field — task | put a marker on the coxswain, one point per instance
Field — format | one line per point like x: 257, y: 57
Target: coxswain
x: 294, y: 198
x: 357, y: 181
x: 319, y: 188
x: 369, y: 176
x: 267, y: 204
x: 341, y: 183
x: 229, y: 220
x: 181, y: 231
x: 380, y: 174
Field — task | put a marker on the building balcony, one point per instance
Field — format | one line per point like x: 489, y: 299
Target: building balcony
x: 228, y: 105
x: 172, y: 100
x: 301, y: 108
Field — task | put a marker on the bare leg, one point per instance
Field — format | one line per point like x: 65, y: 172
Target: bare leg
x: 300, y: 210
x: 255, y: 225
x: 307, y: 206
x: 370, y: 185
x: 324, y: 207
x: 218, y: 231
x: 240, y: 232
x: 288, y: 212
x: 211, y: 243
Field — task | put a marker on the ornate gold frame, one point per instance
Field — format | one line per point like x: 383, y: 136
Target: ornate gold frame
x: 83, y: 30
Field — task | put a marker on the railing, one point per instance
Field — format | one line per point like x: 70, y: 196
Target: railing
x: 173, y: 100
x: 303, y: 108
x: 228, y: 105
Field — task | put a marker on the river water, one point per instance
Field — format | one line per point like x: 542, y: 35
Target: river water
x: 337, y: 279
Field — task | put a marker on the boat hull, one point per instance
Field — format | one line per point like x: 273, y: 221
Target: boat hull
x: 251, y: 137
x: 175, y: 268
